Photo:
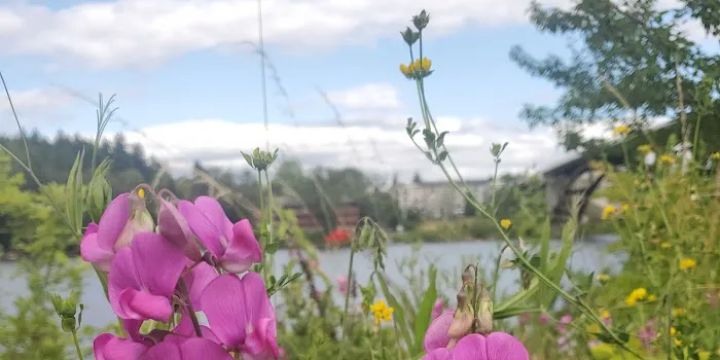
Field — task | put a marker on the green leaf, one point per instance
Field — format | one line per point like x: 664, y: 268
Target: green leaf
x: 399, y: 314
x: 424, y: 311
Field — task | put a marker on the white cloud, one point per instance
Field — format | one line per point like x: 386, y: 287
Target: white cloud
x: 379, y: 96
x: 379, y: 150
x: 140, y: 32
x: 34, y: 106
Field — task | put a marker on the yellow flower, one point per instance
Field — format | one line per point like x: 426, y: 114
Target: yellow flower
x: 636, y: 295
x: 715, y: 156
x: 423, y: 65
x: 687, y: 263
x: 141, y: 193
x: 406, y: 70
x: 607, y: 211
x: 603, y: 277
x: 644, y: 149
x: 621, y: 130
x: 667, y: 159
x: 703, y: 355
x: 604, y: 314
x: 505, y: 223
x: 673, y: 331
x: 677, y: 312
x: 651, y: 298
x: 381, y: 311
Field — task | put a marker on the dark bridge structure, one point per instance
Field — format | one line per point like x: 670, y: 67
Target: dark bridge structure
x: 569, y: 185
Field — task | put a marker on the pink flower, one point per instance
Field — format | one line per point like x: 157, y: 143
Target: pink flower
x: 196, y: 280
x: 438, y: 308
x: 240, y: 314
x: 495, y: 346
x: 342, y: 284
x: 124, y: 217
x: 143, y: 277
x: 233, y: 246
x: 110, y: 347
x: 173, y: 226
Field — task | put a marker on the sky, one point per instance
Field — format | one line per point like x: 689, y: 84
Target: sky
x: 187, y: 79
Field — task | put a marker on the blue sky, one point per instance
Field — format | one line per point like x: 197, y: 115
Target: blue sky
x: 188, y: 82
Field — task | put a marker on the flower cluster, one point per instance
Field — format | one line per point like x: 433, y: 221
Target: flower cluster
x: 639, y: 294
x: 194, y: 260
x: 381, y: 311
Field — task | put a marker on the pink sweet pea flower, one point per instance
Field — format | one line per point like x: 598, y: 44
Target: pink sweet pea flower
x: 234, y: 246
x: 495, y: 346
x: 196, y: 280
x: 143, y: 277
x: 173, y: 226
x: 240, y: 314
x: 438, y: 308
x: 124, y: 217
x: 110, y: 347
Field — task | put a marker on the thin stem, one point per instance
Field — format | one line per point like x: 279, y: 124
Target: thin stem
x: 496, y: 274
x: 77, y: 345
x: 17, y: 121
x: 189, y: 308
x: 269, y: 207
x: 494, y: 188
x: 349, y: 277
x: 261, y: 48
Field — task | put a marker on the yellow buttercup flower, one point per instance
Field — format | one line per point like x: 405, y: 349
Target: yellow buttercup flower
x: 607, y: 211
x: 636, y: 295
x: 505, y: 223
x: 381, y: 311
x: 687, y: 264
x: 621, y: 130
x: 667, y: 159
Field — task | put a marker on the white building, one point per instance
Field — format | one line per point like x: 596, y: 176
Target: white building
x: 438, y: 199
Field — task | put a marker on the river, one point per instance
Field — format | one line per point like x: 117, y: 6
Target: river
x: 447, y: 257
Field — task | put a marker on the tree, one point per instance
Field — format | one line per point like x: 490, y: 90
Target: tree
x: 634, y: 63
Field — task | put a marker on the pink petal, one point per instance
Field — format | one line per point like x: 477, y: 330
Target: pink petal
x: 185, y: 328
x: 140, y: 305
x: 233, y: 306
x: 503, y: 346
x: 158, y: 263
x: 109, y: 347
x: 93, y: 252
x: 261, y: 341
x: 173, y: 226
x: 208, y: 233
x: 113, y: 220
x: 472, y: 347
x: 243, y: 250
x: 214, y: 211
x: 132, y: 328
x: 196, y: 281
x: 166, y: 350
x: 438, y: 308
x: 199, y: 348
x: 436, y: 335
x: 122, y: 276
x: 438, y: 354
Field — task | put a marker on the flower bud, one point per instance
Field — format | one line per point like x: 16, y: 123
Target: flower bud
x: 421, y: 20
x: 485, y: 314
x: 410, y: 36
x: 139, y: 221
x: 173, y: 226
x: 66, y: 309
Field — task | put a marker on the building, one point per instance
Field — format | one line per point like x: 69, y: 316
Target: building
x: 438, y: 199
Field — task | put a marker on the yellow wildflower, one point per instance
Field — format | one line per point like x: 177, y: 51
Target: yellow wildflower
x: 603, y: 277
x: 677, y: 342
x: 667, y: 159
x: 644, y: 149
x: 687, y: 264
x: 625, y: 207
x: 604, y: 314
x: 406, y: 70
x: 423, y: 65
x: 715, y: 156
x: 505, y: 223
x: 703, y: 355
x: 636, y: 295
x: 381, y: 311
x: 621, y: 130
x: 651, y: 298
x: 677, y: 312
x: 673, y: 331
x: 607, y: 211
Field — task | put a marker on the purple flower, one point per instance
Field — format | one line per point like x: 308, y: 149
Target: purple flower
x: 124, y: 217
x: 233, y: 246
x: 110, y: 347
x: 143, y: 277
x: 240, y: 314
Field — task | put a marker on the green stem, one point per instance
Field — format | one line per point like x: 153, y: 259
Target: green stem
x: 494, y: 186
x: 77, y: 345
x: 349, y: 278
